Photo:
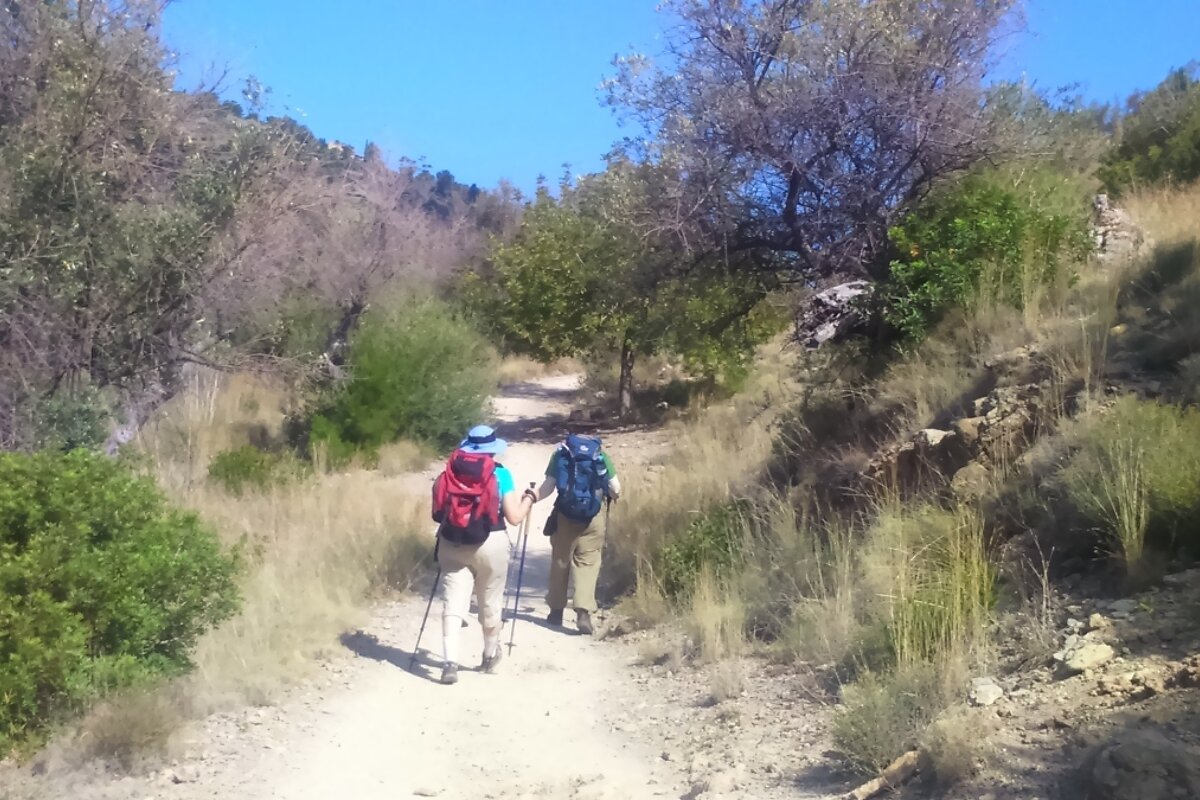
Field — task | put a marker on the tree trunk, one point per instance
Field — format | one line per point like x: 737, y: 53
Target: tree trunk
x: 625, y: 388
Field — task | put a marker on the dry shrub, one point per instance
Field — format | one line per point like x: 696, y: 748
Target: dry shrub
x: 958, y: 745
x: 322, y: 551
x: 727, y: 682
x: 402, y: 457
x: 519, y: 369
x: 716, y: 620
x: 883, y: 716
x: 131, y: 727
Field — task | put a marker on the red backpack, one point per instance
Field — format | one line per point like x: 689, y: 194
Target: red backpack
x: 466, y: 498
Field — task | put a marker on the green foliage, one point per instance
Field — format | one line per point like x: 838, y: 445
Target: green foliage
x: 102, y: 585
x: 1160, y: 136
x: 71, y: 420
x: 712, y: 544
x: 417, y: 372
x: 983, y: 236
x: 248, y: 468
x: 579, y: 279
x: 1136, y: 474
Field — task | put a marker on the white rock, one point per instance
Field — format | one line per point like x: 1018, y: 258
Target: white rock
x: 1086, y: 656
x: 984, y: 692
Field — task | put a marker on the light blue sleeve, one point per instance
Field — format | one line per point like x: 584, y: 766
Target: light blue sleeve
x: 504, y: 481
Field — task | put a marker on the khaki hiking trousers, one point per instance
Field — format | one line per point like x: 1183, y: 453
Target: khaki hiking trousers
x: 474, y: 569
x: 578, y: 546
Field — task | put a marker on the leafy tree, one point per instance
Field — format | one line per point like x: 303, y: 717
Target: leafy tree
x: 798, y: 132
x: 1160, y: 136
x: 416, y: 371
x: 983, y: 234
x: 578, y: 278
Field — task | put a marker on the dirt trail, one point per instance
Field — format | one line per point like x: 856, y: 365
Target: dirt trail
x: 540, y: 728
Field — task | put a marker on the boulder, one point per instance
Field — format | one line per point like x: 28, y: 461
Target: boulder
x: 1083, y: 655
x: 1141, y: 765
x: 984, y: 692
x: 969, y: 430
x: 971, y: 481
x: 832, y: 314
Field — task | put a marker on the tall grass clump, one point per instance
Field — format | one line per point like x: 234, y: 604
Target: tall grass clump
x: 1136, y: 475
x: 713, y: 458
x: 417, y: 371
x: 928, y: 570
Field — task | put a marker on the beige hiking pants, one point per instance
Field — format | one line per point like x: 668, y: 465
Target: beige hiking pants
x: 478, y: 570
x: 578, y: 546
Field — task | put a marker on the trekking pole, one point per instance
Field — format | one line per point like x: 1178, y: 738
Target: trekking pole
x: 512, y: 634
x: 432, y: 593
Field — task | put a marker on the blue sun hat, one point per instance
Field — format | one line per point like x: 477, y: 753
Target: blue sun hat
x: 483, y: 439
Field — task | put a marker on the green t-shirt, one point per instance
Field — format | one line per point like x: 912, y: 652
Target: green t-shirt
x: 552, y: 467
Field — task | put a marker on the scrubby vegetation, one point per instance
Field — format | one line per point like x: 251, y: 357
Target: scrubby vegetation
x: 105, y: 586
x: 261, y: 330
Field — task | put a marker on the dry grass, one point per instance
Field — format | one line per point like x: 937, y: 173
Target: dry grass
x: 402, y: 457
x: 317, y: 553
x: 716, y: 620
x: 713, y: 458
x: 728, y: 681
x: 518, y: 369
x: 1169, y: 214
x: 959, y: 745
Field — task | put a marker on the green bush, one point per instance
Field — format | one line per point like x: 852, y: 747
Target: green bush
x: 71, y: 420
x: 417, y: 372
x: 713, y: 543
x: 1136, y: 475
x: 1160, y: 136
x: 102, y: 585
x: 247, y: 467
x: 981, y: 237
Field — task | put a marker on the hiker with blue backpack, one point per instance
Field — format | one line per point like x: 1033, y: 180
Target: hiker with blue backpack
x: 472, y: 499
x: 586, y: 481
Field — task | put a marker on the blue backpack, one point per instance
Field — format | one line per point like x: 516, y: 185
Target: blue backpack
x: 582, y: 478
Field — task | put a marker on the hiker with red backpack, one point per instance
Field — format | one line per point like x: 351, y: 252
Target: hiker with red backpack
x: 586, y: 481
x: 472, y: 499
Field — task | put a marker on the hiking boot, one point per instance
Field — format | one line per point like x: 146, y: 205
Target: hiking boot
x: 583, y: 621
x: 450, y: 674
x: 555, y: 617
x: 490, y: 662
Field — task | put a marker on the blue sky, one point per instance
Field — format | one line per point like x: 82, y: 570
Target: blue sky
x: 493, y: 89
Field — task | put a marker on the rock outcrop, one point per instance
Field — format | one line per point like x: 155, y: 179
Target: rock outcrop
x: 833, y: 314
x: 1141, y: 765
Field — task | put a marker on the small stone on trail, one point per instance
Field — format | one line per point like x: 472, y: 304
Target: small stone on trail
x: 1098, y: 622
x: 1123, y: 607
x: 985, y: 692
x: 423, y: 792
x: 1080, y: 656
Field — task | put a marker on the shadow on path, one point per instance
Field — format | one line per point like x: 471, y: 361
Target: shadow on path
x: 427, y: 665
